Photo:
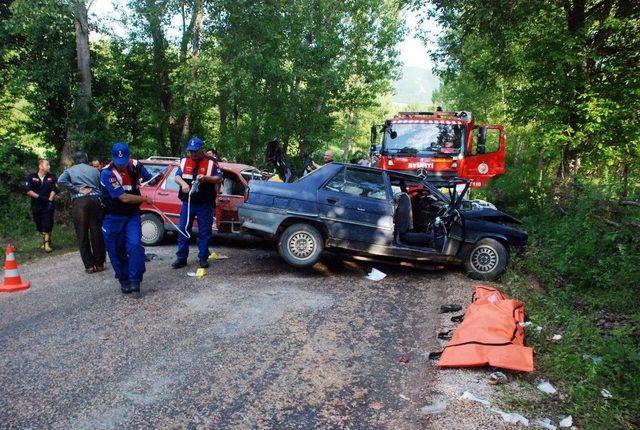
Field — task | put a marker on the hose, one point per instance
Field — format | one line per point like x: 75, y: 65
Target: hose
x: 195, y: 186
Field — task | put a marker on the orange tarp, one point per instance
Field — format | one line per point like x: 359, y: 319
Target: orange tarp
x: 490, y: 334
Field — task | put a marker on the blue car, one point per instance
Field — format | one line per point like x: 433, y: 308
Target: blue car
x: 374, y: 214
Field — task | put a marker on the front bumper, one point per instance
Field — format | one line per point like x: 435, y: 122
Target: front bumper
x: 260, y: 219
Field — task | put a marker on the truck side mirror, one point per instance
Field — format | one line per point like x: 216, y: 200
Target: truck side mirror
x: 374, y: 135
x: 482, y: 140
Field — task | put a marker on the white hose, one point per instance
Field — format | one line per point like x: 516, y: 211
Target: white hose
x: 194, y: 189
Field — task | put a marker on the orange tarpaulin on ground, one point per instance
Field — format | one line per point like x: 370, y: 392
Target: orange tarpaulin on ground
x: 490, y: 334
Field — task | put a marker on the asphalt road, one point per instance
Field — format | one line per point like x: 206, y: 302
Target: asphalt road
x: 255, y: 344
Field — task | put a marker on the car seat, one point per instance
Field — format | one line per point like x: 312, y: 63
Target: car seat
x: 403, y: 221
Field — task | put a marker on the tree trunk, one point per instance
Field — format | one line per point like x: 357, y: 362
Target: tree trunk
x: 346, y: 144
x: 196, y: 24
x: 83, y: 98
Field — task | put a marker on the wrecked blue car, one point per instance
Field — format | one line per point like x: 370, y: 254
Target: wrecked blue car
x: 379, y: 215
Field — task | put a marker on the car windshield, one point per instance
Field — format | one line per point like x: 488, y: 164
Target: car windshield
x: 424, y: 139
x: 154, y: 169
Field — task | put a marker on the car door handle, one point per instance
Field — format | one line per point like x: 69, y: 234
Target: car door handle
x: 360, y: 209
x: 162, y: 194
x: 332, y: 201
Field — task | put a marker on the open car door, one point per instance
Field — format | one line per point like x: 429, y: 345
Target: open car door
x: 485, y: 155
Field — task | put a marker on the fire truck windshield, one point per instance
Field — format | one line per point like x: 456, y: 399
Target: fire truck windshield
x: 424, y: 139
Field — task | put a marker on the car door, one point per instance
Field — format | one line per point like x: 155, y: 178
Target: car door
x: 487, y: 156
x: 355, y: 204
x: 167, y: 196
x: 228, y: 200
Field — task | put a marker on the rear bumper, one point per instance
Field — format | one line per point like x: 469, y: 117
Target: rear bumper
x: 264, y: 221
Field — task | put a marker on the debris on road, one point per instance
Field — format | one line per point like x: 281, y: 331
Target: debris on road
x: 606, y: 394
x: 434, y: 408
x: 200, y: 273
x: 545, y: 423
x: 404, y: 359
x: 263, y: 256
x: 403, y: 397
x: 511, y: 417
x: 215, y: 256
x: 555, y: 338
x: 536, y: 328
x: 566, y: 422
x: 546, y: 387
x: 150, y: 257
x: 497, y: 378
x: 450, y: 308
x: 376, y: 275
x: 376, y: 405
x: 469, y: 396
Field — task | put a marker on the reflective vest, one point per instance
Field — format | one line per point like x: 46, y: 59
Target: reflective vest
x: 128, y: 180
x: 190, y: 170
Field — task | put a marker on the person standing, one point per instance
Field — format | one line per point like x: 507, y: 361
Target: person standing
x: 83, y: 182
x: 119, y: 184
x: 41, y: 187
x: 202, y: 170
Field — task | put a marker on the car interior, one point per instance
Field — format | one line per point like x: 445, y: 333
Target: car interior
x: 417, y: 215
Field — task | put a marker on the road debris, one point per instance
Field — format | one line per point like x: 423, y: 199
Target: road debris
x: 403, y: 397
x: 263, y: 256
x: 511, y: 417
x: 150, y: 257
x: 555, y: 338
x: 450, y: 308
x: 376, y: 275
x: 404, y: 359
x: 215, y: 256
x: 545, y: 423
x: 497, y: 378
x: 434, y: 408
x: 606, y: 394
x: 376, y: 405
x: 566, y: 422
x: 200, y: 273
x: 536, y: 328
x: 469, y: 396
x: 546, y: 387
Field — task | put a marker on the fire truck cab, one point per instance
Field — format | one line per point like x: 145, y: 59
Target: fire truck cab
x: 440, y: 145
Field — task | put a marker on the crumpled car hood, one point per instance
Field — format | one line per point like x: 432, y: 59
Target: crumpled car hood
x: 491, y: 215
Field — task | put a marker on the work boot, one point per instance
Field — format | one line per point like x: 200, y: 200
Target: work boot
x: 134, y: 287
x: 125, y: 287
x: 179, y: 263
x: 43, y: 240
x: 47, y: 242
x: 204, y: 264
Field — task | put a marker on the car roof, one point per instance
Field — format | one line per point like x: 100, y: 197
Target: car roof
x: 171, y: 161
x: 408, y: 176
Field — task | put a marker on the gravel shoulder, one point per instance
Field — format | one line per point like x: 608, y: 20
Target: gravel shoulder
x: 255, y: 344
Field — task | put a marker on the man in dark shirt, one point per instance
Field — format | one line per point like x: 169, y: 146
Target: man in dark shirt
x: 83, y: 182
x: 200, y: 171
x: 120, y: 186
x: 41, y: 187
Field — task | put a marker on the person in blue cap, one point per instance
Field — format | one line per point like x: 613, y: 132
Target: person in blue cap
x: 120, y: 187
x: 204, y: 170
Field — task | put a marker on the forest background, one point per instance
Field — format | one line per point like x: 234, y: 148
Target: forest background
x: 561, y: 75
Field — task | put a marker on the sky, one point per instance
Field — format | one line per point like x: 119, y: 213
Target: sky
x: 413, y: 52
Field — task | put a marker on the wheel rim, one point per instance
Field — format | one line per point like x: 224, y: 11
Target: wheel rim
x: 484, y: 259
x: 149, y: 231
x: 302, y: 245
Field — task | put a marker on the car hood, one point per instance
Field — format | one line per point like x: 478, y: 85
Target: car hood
x: 491, y: 215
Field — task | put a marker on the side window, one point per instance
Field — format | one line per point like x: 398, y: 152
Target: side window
x: 359, y: 183
x: 170, y: 183
x: 231, y: 185
x: 492, y: 141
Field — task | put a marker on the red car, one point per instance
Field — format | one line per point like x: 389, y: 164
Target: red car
x: 165, y: 195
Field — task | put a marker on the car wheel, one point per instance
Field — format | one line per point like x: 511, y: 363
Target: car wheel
x: 301, y: 245
x: 486, y: 260
x: 152, y: 229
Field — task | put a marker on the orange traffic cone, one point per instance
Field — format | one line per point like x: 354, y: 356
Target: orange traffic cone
x: 12, y: 280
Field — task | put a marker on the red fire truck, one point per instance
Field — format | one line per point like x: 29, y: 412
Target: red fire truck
x: 441, y: 145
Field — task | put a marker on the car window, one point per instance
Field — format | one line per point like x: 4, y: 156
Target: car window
x: 170, y: 182
x: 154, y: 169
x: 359, y: 183
x: 232, y: 185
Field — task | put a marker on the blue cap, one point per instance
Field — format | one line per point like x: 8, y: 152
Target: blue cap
x: 194, y: 144
x: 120, y: 153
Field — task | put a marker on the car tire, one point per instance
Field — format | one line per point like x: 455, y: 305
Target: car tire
x: 152, y: 229
x: 301, y: 245
x: 486, y: 260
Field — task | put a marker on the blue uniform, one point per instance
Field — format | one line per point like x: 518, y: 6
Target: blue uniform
x: 202, y: 204
x: 121, y: 225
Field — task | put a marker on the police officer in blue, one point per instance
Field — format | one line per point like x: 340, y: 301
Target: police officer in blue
x: 119, y: 183
x: 201, y: 172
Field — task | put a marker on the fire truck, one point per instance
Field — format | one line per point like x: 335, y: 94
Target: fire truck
x: 440, y: 146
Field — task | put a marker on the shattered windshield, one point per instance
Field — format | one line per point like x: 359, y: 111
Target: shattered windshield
x: 423, y: 139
